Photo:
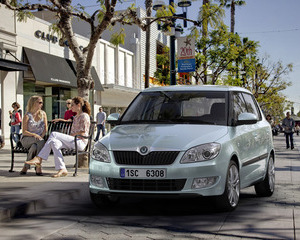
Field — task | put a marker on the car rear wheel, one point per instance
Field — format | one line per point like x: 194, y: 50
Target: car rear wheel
x: 104, y: 200
x: 229, y: 200
x: 267, y: 186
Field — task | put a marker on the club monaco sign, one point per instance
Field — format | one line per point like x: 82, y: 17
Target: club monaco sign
x: 53, y: 39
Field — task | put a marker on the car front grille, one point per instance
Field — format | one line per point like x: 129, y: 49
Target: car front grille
x: 145, y: 184
x: 153, y: 158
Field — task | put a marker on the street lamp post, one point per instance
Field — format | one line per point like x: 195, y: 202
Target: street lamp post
x: 184, y: 4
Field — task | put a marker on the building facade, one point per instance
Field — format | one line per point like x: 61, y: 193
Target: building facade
x: 47, y: 68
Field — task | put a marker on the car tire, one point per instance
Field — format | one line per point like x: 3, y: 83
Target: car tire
x: 267, y: 186
x: 101, y: 200
x: 229, y: 200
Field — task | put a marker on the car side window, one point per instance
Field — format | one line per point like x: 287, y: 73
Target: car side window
x: 251, y: 105
x: 239, y: 105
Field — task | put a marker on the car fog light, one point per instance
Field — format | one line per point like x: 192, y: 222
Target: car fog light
x: 97, y: 181
x: 204, y: 182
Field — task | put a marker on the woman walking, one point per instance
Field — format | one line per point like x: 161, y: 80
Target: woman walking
x: 57, y: 141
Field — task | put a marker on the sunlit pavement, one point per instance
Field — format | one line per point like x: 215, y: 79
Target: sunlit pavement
x: 276, y: 217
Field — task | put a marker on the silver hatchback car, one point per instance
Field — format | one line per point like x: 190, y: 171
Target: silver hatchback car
x: 185, y: 140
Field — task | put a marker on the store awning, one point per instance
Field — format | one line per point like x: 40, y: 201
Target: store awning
x: 56, y: 70
x: 10, y: 66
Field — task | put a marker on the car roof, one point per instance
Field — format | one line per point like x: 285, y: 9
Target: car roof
x: 220, y: 88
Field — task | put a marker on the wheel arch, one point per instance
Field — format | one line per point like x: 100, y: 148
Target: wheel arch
x: 236, y: 160
x: 272, y: 153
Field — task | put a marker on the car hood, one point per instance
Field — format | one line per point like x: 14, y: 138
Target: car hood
x: 162, y: 137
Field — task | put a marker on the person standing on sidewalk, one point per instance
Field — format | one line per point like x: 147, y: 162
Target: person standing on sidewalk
x: 288, y: 125
x: 101, y: 118
x: 15, y: 121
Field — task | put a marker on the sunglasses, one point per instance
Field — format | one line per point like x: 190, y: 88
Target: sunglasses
x: 68, y: 103
x: 40, y: 102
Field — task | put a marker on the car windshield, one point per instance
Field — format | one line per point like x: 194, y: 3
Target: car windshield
x: 178, y: 107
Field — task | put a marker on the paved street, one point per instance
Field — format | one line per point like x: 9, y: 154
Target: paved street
x: 67, y: 213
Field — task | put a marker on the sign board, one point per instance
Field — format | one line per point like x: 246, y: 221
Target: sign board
x: 186, y: 65
x: 186, y: 54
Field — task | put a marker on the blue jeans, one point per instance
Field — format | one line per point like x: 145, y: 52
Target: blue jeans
x: 289, y: 136
x: 100, y: 127
x: 15, y: 129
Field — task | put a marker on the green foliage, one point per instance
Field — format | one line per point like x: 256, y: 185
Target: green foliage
x: 101, y: 14
x: 164, y: 14
x: 24, y: 15
x: 53, y: 28
x: 118, y: 37
x: 162, y: 73
x: 226, y: 58
x: 211, y: 15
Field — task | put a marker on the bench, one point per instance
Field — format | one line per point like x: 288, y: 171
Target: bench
x: 63, y: 127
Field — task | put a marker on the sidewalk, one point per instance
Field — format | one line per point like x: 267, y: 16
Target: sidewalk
x: 30, y: 193
x: 22, y: 194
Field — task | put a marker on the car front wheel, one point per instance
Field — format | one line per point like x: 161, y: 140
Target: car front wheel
x: 228, y: 201
x: 267, y: 186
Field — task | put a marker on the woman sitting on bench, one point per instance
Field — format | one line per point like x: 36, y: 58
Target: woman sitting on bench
x: 57, y: 140
x: 34, y: 130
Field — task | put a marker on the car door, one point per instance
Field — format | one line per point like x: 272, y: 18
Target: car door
x: 242, y: 133
x: 254, y: 168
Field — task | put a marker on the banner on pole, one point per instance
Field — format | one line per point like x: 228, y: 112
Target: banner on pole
x: 186, y: 54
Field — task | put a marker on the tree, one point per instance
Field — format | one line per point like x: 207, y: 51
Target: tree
x: 244, y: 62
x: 210, y: 15
x: 162, y: 73
x: 223, y: 51
x: 232, y: 5
x: 100, y: 20
x: 267, y: 81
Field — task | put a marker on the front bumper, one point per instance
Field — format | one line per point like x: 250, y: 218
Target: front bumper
x: 105, y: 179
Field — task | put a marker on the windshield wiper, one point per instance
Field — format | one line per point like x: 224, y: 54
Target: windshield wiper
x: 189, y: 120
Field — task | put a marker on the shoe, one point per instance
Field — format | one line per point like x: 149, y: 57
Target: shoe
x: 60, y: 174
x: 287, y: 147
x: 95, y: 140
x: 34, y: 161
x: 38, y: 167
x: 22, y: 172
x: 292, y: 147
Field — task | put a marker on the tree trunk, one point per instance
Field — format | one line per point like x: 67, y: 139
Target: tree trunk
x: 147, y: 57
x: 204, y: 35
x: 84, y: 85
x: 232, y: 11
x: 148, y: 4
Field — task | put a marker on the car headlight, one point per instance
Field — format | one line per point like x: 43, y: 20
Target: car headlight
x: 100, y: 153
x: 201, y: 153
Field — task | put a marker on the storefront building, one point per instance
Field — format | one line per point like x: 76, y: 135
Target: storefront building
x: 35, y: 62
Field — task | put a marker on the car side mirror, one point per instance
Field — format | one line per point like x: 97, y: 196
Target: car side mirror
x: 113, y: 119
x: 246, y: 118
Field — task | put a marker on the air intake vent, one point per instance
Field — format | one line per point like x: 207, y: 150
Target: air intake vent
x: 153, y: 158
x: 145, y: 184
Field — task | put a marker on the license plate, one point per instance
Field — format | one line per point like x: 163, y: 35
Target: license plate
x: 142, y: 173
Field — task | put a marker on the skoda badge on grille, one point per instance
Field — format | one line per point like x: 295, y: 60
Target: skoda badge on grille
x: 143, y: 150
